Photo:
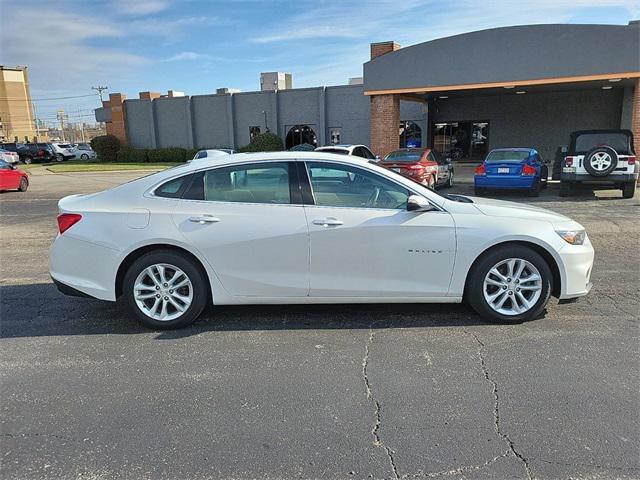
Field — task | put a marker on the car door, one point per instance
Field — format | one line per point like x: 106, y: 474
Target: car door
x: 364, y: 242
x: 249, y: 226
x: 5, y: 175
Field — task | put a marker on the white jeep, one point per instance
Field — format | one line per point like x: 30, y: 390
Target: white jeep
x: 600, y: 156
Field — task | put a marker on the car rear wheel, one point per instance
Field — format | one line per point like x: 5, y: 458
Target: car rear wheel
x: 628, y: 189
x: 450, y: 179
x: 23, y: 185
x: 535, y: 190
x: 59, y: 157
x: 26, y: 160
x: 165, y: 290
x: 510, y: 285
x: 478, y: 191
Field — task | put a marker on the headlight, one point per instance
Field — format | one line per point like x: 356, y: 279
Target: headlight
x: 574, y: 237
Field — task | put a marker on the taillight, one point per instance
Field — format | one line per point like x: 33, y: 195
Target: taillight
x: 481, y: 170
x: 631, y: 160
x: 67, y: 220
x: 528, y: 170
x: 568, y: 161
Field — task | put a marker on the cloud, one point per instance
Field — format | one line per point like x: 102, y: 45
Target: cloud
x: 168, y: 27
x: 139, y: 7
x: 182, y: 56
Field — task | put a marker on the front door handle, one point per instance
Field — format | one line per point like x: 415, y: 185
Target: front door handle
x: 328, y: 222
x: 202, y: 219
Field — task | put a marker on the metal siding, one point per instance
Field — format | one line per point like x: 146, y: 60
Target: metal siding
x: 210, y: 121
x: 508, y: 54
x: 173, y: 122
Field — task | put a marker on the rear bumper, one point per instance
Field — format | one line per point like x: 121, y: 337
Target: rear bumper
x: 583, y: 177
x: 67, y: 290
x: 502, y: 182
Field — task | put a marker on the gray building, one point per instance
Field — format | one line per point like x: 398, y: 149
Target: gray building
x: 525, y: 86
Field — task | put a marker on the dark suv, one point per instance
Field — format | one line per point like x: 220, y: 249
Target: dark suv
x: 600, y: 156
x: 32, y: 152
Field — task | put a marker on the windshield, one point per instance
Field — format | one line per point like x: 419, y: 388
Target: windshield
x: 409, y: 156
x: 617, y: 140
x: 507, y: 156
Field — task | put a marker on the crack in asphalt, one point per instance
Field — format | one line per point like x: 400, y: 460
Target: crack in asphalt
x: 375, y: 431
x: 459, y: 470
x: 496, y: 407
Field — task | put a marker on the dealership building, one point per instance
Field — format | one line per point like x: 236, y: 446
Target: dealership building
x: 523, y: 86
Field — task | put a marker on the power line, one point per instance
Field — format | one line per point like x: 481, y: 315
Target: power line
x: 24, y: 99
x: 100, y: 90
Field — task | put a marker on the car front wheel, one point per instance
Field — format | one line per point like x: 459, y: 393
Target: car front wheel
x: 510, y: 285
x: 23, y: 185
x: 84, y: 156
x: 165, y: 290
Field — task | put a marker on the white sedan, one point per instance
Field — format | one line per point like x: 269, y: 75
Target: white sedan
x: 306, y: 227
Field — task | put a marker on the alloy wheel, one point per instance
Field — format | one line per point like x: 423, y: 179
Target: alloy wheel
x: 163, y: 292
x: 512, y: 286
x: 600, y: 161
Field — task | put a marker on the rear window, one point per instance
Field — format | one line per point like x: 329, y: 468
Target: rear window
x: 409, y: 156
x: 172, y: 188
x: 618, y: 141
x: 64, y: 145
x: 507, y: 156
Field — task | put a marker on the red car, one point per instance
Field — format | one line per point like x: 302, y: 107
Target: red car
x: 418, y: 164
x: 12, y: 178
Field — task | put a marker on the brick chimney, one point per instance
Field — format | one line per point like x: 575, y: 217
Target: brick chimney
x: 380, y: 48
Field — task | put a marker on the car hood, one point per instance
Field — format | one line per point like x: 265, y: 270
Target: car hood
x: 500, y: 208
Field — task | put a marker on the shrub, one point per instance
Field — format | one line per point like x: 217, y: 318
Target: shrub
x: 172, y: 154
x: 106, y: 147
x: 265, y: 142
x: 133, y: 155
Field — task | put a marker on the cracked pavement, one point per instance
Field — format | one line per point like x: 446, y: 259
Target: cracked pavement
x: 353, y: 391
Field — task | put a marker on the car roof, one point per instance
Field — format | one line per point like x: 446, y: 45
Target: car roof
x: 237, y: 158
x: 335, y: 147
x: 514, y: 149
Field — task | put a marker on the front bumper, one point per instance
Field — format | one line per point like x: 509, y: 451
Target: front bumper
x: 577, y: 261
x: 585, y: 177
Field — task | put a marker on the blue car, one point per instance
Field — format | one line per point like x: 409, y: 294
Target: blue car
x: 510, y: 169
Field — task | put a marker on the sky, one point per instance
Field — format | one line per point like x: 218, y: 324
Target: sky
x: 197, y: 46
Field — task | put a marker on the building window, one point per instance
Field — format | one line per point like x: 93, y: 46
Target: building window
x: 410, y: 135
x: 301, y: 134
x: 335, y: 135
x: 254, y: 132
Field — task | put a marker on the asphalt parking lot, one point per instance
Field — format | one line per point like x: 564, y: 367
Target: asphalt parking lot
x: 355, y: 391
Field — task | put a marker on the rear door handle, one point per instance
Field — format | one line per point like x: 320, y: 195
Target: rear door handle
x: 328, y: 222
x: 202, y: 219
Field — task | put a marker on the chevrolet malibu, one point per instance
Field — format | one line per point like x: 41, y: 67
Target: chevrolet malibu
x: 309, y: 228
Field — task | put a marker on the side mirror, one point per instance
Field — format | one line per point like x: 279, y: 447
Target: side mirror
x: 13, y: 167
x: 416, y: 203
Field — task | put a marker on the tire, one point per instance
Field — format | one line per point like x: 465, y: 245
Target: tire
x: 600, y: 161
x: 59, y: 157
x: 536, y: 292
x: 566, y: 189
x: 450, y: 180
x: 628, y: 189
x: 478, y: 191
x: 84, y: 156
x: 159, y: 290
x: 544, y: 177
x: 26, y: 160
x: 535, y: 190
x: 23, y: 185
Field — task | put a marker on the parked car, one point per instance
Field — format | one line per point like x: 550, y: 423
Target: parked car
x: 12, y: 178
x: 18, y: 148
x: 511, y: 168
x: 213, y: 152
x: 64, y: 151
x: 310, y: 227
x: 36, y: 152
x: 84, y: 151
x: 361, y: 151
x: 426, y: 166
x: 9, y: 156
x: 603, y: 157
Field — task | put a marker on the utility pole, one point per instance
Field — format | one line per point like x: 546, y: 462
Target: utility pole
x: 35, y: 120
x: 100, y: 90
x: 81, y: 123
x: 61, y: 119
